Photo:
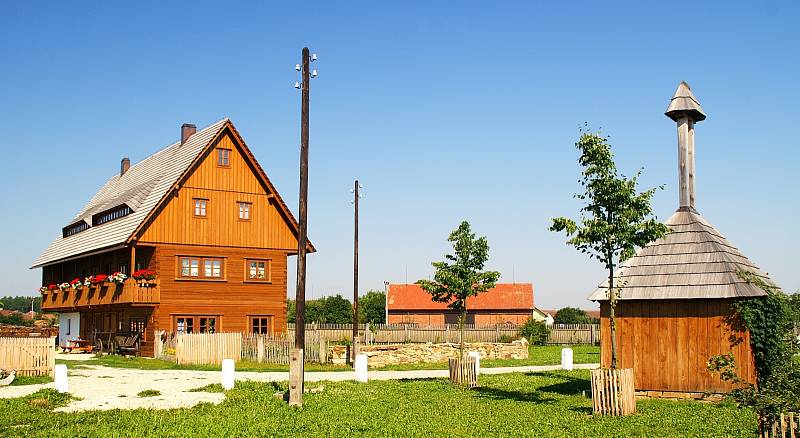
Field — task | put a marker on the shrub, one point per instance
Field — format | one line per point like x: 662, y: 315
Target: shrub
x: 505, y: 339
x: 534, y: 331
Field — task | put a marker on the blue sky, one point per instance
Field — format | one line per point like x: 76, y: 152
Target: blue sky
x: 444, y: 111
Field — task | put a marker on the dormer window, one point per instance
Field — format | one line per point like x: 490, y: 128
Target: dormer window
x: 75, y: 228
x: 110, y: 215
x: 224, y: 157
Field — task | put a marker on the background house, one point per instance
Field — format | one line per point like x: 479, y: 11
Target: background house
x: 505, y: 303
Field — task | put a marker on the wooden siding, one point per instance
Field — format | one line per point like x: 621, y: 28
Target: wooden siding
x: 668, y: 343
x: 232, y: 300
x: 224, y: 187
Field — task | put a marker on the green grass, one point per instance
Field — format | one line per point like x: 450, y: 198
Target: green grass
x: 149, y: 393
x: 537, y: 404
x: 31, y: 380
x: 538, y: 355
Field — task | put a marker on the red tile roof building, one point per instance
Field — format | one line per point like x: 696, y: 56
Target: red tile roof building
x: 505, y: 303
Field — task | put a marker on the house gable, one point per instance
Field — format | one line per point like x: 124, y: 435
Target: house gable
x: 223, y: 187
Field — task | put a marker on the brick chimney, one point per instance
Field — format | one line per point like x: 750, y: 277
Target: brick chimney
x: 124, y: 165
x: 187, y: 129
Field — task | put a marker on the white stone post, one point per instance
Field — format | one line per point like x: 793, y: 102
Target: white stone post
x: 566, y: 359
x: 361, y: 368
x: 61, y: 383
x: 228, y: 373
x: 477, y: 356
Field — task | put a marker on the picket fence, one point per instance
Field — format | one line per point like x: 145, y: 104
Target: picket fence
x: 33, y: 356
x: 212, y: 348
x: 574, y: 334
x: 560, y: 334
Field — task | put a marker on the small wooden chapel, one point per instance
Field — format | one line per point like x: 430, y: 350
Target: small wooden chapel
x: 674, y: 309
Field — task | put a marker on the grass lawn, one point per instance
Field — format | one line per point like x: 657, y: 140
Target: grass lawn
x: 538, y: 355
x: 539, y: 404
x: 30, y: 380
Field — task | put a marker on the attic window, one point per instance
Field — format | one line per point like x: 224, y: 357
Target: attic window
x: 224, y: 157
x: 110, y: 215
x: 74, y: 229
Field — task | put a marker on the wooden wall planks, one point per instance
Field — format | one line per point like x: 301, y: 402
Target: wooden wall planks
x: 668, y: 342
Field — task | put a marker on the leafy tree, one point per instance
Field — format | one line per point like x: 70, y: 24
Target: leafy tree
x: 290, y: 311
x: 21, y: 303
x: 15, y: 319
x: 461, y: 275
x: 616, y: 219
x: 337, y: 310
x: 534, y: 331
x: 372, y: 307
x: 572, y: 315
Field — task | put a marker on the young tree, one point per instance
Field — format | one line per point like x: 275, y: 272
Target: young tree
x: 461, y: 275
x: 372, y: 307
x: 616, y: 219
x: 571, y: 315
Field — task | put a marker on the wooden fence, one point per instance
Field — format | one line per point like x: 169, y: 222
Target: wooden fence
x: 560, y: 334
x: 31, y: 356
x: 779, y: 426
x: 207, y: 348
x: 211, y: 349
x: 574, y: 334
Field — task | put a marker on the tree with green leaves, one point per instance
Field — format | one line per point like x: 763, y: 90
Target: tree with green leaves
x: 571, y: 315
x: 372, y: 307
x: 616, y: 218
x: 461, y: 275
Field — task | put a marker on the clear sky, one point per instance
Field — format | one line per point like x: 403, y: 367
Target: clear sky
x: 445, y: 111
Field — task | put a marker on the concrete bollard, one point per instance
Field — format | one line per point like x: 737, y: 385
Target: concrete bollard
x: 60, y: 376
x: 477, y: 356
x: 228, y: 373
x: 566, y: 359
x: 361, y: 368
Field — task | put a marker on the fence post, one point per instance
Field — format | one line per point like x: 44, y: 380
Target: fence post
x: 406, y: 338
x: 260, y: 347
x: 592, y: 340
x: 497, y: 333
x: 323, y: 350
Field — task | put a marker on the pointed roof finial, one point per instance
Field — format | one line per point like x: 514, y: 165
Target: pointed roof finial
x: 684, y: 103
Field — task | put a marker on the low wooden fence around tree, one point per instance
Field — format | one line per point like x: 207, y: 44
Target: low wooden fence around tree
x: 29, y: 356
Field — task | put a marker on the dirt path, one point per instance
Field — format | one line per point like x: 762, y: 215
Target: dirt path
x: 103, y: 388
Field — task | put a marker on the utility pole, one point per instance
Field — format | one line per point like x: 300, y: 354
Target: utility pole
x: 296, y: 372
x: 356, y: 196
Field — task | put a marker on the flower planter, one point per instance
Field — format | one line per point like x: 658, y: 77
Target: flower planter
x: 613, y: 392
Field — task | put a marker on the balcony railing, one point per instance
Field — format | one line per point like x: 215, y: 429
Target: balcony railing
x: 130, y: 292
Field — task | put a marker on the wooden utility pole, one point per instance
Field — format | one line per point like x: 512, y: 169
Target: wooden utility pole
x: 355, y: 269
x: 296, y: 373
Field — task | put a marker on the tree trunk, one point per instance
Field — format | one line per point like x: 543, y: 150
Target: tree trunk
x: 461, y: 319
x: 612, y: 299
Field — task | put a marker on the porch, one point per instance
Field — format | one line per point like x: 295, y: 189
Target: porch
x: 129, y: 292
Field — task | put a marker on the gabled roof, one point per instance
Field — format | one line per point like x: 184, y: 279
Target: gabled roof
x: 504, y: 296
x: 143, y: 188
x: 693, y: 261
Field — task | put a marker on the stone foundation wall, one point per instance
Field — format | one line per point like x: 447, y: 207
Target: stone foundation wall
x: 393, y: 354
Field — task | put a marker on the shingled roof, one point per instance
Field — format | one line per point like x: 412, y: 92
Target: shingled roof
x: 141, y: 188
x: 693, y: 261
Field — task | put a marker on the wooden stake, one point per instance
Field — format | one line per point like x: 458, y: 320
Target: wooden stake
x: 296, y: 377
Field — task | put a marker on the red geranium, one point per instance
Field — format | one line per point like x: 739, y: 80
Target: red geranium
x: 52, y: 287
x: 144, y: 274
x: 99, y: 278
x: 76, y: 282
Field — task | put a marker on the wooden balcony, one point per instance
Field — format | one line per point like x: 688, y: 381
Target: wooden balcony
x: 130, y: 293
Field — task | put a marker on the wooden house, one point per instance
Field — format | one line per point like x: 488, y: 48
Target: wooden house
x: 674, y: 310
x: 503, y: 304
x: 200, y: 214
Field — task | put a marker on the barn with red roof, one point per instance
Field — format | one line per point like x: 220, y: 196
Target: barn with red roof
x: 503, y: 304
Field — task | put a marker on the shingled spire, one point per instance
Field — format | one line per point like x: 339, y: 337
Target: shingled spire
x: 685, y: 110
x: 693, y: 260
